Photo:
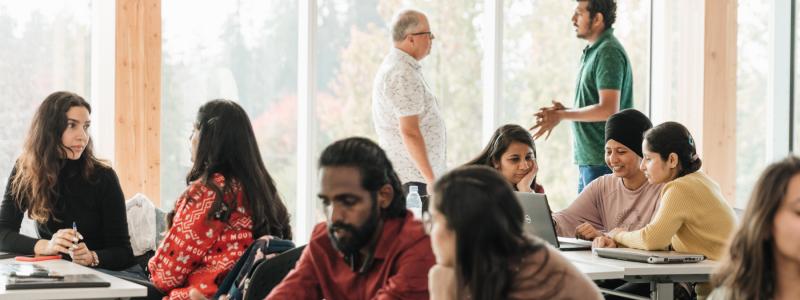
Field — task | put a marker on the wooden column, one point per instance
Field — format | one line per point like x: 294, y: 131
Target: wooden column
x: 138, y: 97
x: 718, y: 144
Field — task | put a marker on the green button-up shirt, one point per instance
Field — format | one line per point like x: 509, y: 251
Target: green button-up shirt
x: 604, y: 65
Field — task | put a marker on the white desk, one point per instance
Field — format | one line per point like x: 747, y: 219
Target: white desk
x: 642, y: 269
x: 661, y: 276
x: 119, y: 288
x: 599, y: 272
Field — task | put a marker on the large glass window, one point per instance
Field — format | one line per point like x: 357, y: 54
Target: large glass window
x: 352, y: 39
x: 244, y: 51
x: 46, y: 48
x: 795, y: 128
x: 677, y: 64
x: 541, y: 61
x: 753, y: 52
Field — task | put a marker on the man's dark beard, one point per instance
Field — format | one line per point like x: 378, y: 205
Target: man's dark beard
x: 359, y: 236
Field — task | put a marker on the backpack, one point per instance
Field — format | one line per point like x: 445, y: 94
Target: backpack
x: 234, y: 283
x: 269, y: 273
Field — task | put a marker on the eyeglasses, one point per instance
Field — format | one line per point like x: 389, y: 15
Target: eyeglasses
x: 426, y: 32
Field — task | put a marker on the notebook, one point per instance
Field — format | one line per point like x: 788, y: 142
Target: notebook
x: 539, y: 221
x: 650, y: 257
x: 67, y: 281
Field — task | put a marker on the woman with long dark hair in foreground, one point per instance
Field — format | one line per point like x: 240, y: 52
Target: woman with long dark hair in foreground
x: 763, y: 261
x: 482, y: 251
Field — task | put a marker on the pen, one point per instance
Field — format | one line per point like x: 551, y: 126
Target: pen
x: 75, y: 231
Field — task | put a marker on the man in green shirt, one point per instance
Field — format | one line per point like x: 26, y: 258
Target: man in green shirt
x: 605, y: 86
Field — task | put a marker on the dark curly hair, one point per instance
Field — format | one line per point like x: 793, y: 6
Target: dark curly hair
x: 34, y: 184
x: 608, y: 8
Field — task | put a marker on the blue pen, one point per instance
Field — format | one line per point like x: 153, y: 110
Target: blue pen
x: 75, y: 230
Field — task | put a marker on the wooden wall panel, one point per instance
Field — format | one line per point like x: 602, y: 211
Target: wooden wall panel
x: 719, y: 95
x: 138, y: 97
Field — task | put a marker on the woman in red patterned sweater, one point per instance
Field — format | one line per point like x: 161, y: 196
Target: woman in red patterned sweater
x: 230, y: 199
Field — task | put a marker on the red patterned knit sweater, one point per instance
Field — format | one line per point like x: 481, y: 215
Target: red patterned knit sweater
x: 198, y: 252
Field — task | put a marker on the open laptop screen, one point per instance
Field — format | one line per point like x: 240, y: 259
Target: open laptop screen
x: 538, y: 220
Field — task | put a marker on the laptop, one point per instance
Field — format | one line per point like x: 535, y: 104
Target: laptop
x: 56, y: 282
x: 650, y: 257
x: 19, y: 276
x: 539, y: 221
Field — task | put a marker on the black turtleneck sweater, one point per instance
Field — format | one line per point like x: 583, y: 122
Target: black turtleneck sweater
x: 97, y: 206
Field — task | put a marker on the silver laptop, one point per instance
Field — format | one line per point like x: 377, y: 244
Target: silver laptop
x: 650, y: 257
x: 539, y: 222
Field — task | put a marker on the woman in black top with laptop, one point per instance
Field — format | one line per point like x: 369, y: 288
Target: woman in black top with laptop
x: 74, y: 198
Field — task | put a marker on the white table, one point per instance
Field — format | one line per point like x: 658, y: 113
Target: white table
x: 599, y: 272
x: 119, y: 288
x: 660, y: 276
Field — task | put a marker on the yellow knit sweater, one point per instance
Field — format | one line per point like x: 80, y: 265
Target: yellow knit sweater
x: 693, y: 217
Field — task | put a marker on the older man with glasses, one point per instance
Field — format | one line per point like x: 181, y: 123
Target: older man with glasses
x: 405, y: 113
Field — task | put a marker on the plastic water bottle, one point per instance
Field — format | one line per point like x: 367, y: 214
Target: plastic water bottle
x: 414, y: 202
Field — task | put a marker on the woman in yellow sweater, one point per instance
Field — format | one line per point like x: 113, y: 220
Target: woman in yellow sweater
x: 693, y: 217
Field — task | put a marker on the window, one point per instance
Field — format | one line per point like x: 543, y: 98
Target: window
x: 244, y: 51
x: 351, y: 42
x: 753, y: 52
x: 677, y: 65
x: 46, y: 48
x: 541, y: 62
x: 795, y: 102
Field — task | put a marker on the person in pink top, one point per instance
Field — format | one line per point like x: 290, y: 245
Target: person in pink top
x: 623, y: 199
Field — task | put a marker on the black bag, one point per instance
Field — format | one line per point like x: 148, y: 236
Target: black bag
x: 269, y: 273
x: 234, y: 282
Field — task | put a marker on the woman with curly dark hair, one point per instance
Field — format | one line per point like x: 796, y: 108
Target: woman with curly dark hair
x: 63, y: 186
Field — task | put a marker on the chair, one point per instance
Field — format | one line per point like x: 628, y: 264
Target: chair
x: 268, y: 274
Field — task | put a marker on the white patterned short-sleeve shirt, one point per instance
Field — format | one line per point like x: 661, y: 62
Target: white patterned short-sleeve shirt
x: 400, y: 90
